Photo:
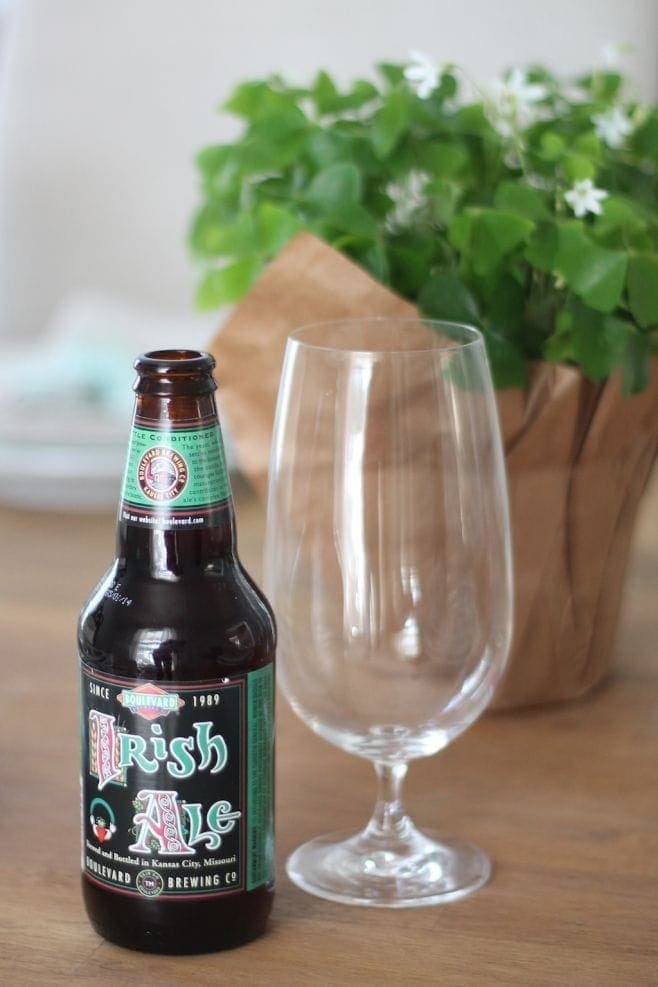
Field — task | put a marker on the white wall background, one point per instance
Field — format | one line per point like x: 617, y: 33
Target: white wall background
x: 103, y: 105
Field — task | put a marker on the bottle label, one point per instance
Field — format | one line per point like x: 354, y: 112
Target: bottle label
x: 175, y: 475
x: 177, y: 784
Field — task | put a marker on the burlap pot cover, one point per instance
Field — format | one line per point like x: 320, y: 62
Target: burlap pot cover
x: 578, y: 458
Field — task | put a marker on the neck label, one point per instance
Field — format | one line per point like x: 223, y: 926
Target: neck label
x: 175, y: 475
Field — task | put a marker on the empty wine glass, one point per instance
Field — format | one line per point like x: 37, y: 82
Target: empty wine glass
x: 387, y: 560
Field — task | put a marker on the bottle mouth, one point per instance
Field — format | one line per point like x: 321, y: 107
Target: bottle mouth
x: 171, y: 373
x: 164, y: 362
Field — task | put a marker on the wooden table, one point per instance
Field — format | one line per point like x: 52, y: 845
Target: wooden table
x: 563, y: 798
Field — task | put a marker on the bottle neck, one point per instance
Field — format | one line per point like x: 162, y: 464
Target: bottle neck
x: 176, y: 514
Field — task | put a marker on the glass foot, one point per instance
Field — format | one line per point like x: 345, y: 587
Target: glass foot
x: 358, y: 870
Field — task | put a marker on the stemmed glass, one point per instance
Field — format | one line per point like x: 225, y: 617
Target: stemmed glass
x: 387, y: 559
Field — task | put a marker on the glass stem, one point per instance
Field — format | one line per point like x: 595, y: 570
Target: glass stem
x: 389, y: 824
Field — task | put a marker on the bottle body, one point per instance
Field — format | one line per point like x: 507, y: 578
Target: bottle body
x: 177, y: 648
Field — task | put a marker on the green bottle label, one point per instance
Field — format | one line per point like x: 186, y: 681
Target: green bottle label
x: 260, y: 777
x: 175, y: 475
x: 177, y: 784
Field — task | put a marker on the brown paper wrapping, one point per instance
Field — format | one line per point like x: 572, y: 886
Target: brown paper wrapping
x: 578, y: 458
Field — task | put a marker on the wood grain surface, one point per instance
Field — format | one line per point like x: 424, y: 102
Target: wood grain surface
x: 563, y: 798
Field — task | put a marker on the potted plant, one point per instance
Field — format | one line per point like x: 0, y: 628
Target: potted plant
x: 529, y: 211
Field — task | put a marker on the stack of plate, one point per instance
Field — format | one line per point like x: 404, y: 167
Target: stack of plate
x: 66, y: 401
x: 61, y: 461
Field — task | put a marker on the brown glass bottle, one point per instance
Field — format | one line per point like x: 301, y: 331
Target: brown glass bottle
x: 177, y: 647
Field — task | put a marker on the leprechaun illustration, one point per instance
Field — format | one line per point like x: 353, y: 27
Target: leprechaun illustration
x: 102, y: 821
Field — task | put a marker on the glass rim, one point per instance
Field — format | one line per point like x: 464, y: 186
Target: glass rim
x: 472, y: 335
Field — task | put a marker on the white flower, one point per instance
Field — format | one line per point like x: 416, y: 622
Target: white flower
x: 515, y: 102
x: 504, y: 127
x: 613, y: 126
x: 408, y: 197
x: 611, y: 55
x: 515, y: 91
x: 422, y: 74
x: 584, y: 198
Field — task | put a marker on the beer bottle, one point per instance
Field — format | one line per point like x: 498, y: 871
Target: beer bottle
x: 177, y: 648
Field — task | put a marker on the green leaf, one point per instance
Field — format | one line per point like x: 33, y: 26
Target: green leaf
x: 448, y: 86
x: 643, y: 288
x: 590, y: 145
x: 593, y: 273
x: 645, y: 138
x: 353, y: 220
x: 636, y: 371
x: 578, y: 167
x: 444, y: 197
x: 211, y: 237
x: 363, y: 156
x: 552, y: 146
x: 393, y: 73
x: 410, y: 263
x: 334, y: 187
x: 329, y: 100
x: 496, y: 234
x: 521, y: 200
x: 327, y: 146
x: 362, y: 92
x: 276, y: 226
x: 221, y: 178
x: 205, y: 237
x: 621, y: 218
x: 461, y: 230
x: 390, y: 123
x: 324, y: 94
x: 444, y: 296
x: 443, y: 158
x: 273, y: 142
x: 507, y: 363
x: 472, y: 120
x: 374, y: 259
x: 256, y: 99
x: 506, y: 308
x: 559, y: 347
x: 541, y: 303
x: 542, y: 247
x: 605, y: 85
x: 246, y: 99
x: 212, y: 159
x: 279, y: 125
x: 599, y: 341
x: 224, y: 285
x: 539, y: 73
x: 602, y: 86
